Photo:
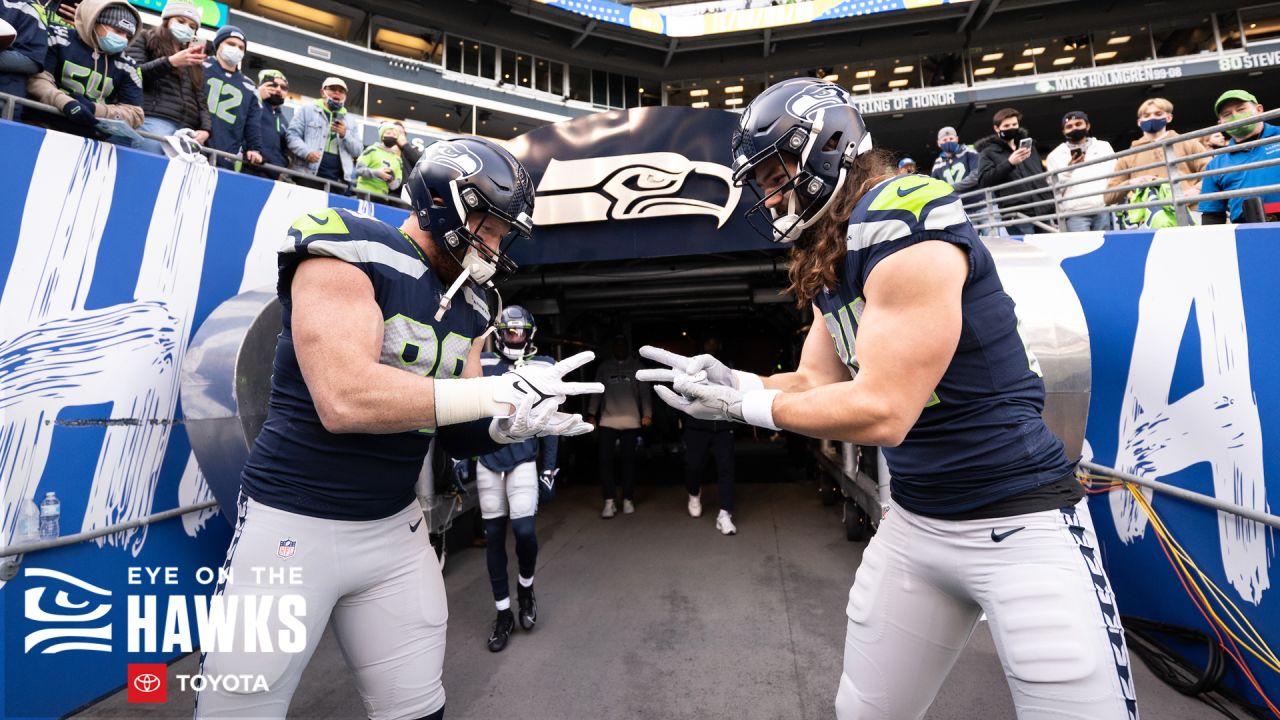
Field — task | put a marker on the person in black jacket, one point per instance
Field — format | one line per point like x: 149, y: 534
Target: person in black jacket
x: 1006, y: 157
x: 410, y: 154
x: 170, y: 60
x: 273, y: 86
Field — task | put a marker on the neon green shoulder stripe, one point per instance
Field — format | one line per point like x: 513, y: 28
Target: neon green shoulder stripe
x: 910, y: 193
x: 323, y: 222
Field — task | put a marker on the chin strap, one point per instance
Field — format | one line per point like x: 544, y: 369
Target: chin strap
x: 446, y: 300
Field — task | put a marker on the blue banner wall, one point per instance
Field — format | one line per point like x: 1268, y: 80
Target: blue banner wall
x: 111, y: 261
x: 1182, y: 328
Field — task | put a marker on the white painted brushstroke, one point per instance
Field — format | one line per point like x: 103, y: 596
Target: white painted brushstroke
x: 285, y: 204
x: 131, y: 456
x: 193, y: 489
x: 1217, y: 423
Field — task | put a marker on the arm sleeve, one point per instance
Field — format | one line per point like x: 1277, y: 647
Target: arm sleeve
x: 1212, y: 184
x: 1122, y: 164
x: 411, y: 154
x: 352, y: 139
x: 550, y: 451
x: 993, y: 171
x: 12, y: 61
x: 128, y: 100
x: 253, y: 123
x: 294, y: 134
x: 42, y: 88
x: 470, y: 439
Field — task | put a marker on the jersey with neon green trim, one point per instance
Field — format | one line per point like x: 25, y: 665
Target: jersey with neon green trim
x: 980, y: 438
x: 299, y: 466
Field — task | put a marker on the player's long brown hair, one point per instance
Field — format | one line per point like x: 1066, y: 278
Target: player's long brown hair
x: 817, y: 257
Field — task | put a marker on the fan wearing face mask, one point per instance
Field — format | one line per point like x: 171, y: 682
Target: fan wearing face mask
x: 379, y: 168
x: 323, y: 139
x: 1155, y: 120
x: 1069, y: 161
x: 273, y: 126
x: 230, y: 97
x: 171, y: 62
x: 957, y: 163
x: 1231, y: 106
x: 86, y: 75
x: 1011, y: 155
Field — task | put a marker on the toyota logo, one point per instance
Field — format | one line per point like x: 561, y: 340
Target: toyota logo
x: 146, y: 683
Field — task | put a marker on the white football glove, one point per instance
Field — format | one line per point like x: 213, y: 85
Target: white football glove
x: 536, y: 392
x: 716, y: 372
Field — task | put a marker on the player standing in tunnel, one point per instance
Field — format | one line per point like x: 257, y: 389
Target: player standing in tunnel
x: 986, y: 514
x: 511, y: 487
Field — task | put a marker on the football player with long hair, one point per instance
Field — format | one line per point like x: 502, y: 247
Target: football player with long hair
x: 915, y: 348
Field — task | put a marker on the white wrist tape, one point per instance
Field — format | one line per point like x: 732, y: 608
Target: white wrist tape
x: 460, y: 400
x: 757, y: 408
x: 747, y: 382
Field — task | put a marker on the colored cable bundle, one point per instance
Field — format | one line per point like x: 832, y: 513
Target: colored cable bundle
x: 1210, y: 600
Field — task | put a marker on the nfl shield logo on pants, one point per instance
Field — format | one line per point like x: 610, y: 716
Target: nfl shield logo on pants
x: 286, y: 548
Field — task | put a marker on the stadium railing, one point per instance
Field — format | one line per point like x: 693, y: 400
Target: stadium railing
x: 9, y: 102
x: 988, y: 212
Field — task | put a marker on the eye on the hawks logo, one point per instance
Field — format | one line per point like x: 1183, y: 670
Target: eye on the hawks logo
x: 809, y: 102
x: 455, y: 156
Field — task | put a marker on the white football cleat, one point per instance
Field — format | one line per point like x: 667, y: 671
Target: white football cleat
x: 695, y: 506
x: 724, y: 523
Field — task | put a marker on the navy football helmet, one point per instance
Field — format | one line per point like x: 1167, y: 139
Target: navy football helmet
x: 459, y: 177
x: 814, y: 128
x: 516, y: 328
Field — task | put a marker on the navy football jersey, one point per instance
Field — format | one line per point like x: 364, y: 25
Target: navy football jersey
x: 980, y: 437
x: 299, y: 466
x: 509, y: 457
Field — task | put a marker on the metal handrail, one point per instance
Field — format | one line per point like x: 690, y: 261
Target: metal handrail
x: 100, y: 532
x: 1184, y: 494
x: 8, y: 102
x: 983, y: 202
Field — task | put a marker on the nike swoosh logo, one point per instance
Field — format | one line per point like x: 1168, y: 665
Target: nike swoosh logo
x: 319, y: 221
x: 903, y: 192
x: 997, y: 537
x: 527, y: 388
x: 413, y: 527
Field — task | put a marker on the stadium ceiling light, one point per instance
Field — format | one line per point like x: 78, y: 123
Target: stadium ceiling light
x: 1064, y: 61
x: 830, y: 78
x: 1024, y: 66
x: 1105, y: 55
x: 903, y: 69
x: 864, y: 74
x: 992, y: 57
x: 983, y: 71
x: 902, y: 82
x: 401, y: 43
x: 733, y: 102
x: 699, y: 93
x: 730, y: 89
x: 1030, y: 52
x: 700, y: 105
x: 860, y: 87
x: 1118, y: 40
x: 303, y: 16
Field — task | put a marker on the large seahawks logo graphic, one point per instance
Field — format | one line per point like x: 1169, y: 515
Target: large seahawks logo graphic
x: 630, y: 187
x: 455, y: 156
x: 807, y: 104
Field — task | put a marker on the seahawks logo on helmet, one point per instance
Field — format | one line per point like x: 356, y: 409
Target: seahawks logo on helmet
x: 808, y: 103
x: 455, y: 156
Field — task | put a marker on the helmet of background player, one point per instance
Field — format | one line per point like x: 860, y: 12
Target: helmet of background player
x: 814, y: 128
x: 472, y: 176
x: 516, y: 328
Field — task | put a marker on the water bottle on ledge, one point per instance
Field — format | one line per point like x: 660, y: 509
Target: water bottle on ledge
x: 28, y: 529
x: 50, y: 514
